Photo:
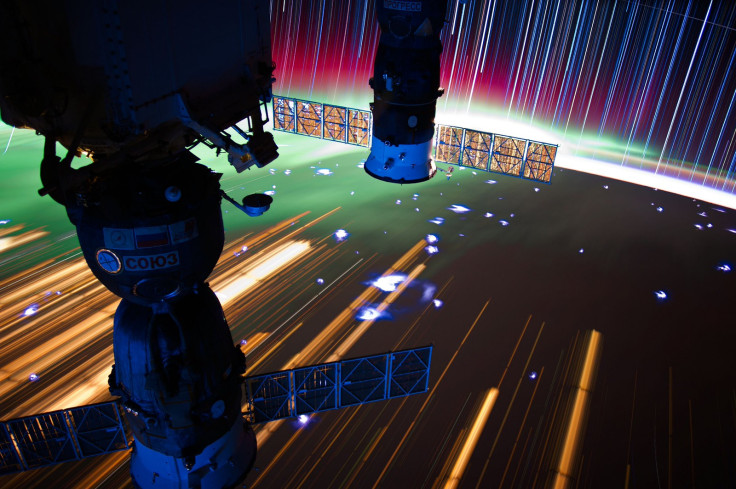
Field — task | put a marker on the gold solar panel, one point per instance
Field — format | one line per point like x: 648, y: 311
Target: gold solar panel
x: 309, y: 118
x: 517, y: 157
x: 359, y: 127
x: 283, y: 114
x: 540, y: 159
x: 508, y: 155
x: 477, y: 149
x: 335, y: 123
x: 449, y: 144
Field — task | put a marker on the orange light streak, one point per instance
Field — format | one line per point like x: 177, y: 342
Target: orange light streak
x: 11, y: 242
x: 577, y: 417
x: 271, y: 263
x: 75, y: 271
x: 461, y: 463
x: 254, y: 341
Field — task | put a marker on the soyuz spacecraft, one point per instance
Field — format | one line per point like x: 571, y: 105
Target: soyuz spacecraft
x: 135, y: 86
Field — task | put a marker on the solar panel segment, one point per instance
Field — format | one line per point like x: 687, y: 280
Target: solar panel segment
x: 283, y: 114
x: 540, y: 160
x: 496, y: 153
x: 508, y: 155
x: 359, y: 127
x: 59, y: 436
x: 477, y: 149
x: 324, y: 121
x: 309, y: 118
x: 336, y: 123
x: 290, y: 393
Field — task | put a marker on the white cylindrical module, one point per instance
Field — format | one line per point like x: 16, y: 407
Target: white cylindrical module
x: 401, y: 163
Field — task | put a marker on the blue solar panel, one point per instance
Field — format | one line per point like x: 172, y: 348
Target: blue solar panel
x: 9, y: 459
x: 270, y: 396
x: 363, y: 380
x: 315, y: 388
x: 44, y: 439
x: 356, y: 381
x: 97, y: 429
x: 56, y: 437
x: 410, y: 372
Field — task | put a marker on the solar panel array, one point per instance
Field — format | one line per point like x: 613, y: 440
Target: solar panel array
x: 324, y: 121
x: 328, y: 386
x: 73, y: 434
x: 496, y: 153
x: 60, y: 436
x: 523, y: 158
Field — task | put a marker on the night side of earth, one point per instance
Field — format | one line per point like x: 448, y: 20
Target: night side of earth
x: 573, y: 329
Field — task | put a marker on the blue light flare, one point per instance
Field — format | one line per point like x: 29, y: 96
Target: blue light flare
x: 30, y: 310
x: 388, y: 283
x: 432, y: 250
x: 370, y: 313
x: 458, y: 209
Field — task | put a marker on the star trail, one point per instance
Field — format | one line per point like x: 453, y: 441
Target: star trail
x: 654, y: 79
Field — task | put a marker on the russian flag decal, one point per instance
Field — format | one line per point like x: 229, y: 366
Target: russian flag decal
x: 151, y: 237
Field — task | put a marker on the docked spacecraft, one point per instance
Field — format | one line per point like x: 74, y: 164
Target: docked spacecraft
x: 134, y: 86
x: 406, y: 85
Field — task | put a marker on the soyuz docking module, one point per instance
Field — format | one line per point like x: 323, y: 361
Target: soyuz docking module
x: 134, y: 86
